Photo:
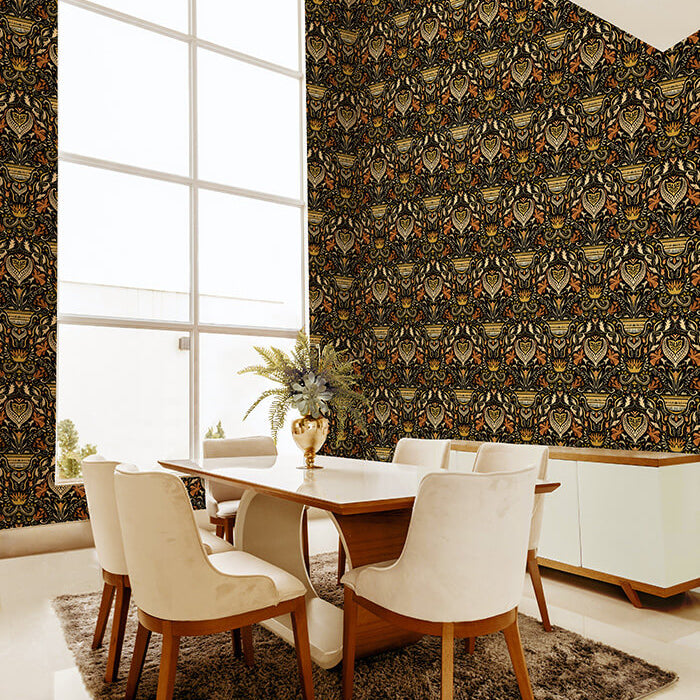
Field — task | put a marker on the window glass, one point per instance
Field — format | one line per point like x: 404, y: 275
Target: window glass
x: 226, y: 395
x: 248, y: 126
x: 123, y: 245
x: 123, y: 92
x: 250, y: 270
x: 125, y: 392
x: 168, y: 13
x: 266, y: 30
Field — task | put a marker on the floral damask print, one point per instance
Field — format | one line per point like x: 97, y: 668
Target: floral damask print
x: 504, y: 221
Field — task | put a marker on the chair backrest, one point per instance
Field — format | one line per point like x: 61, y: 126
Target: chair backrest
x: 501, y: 456
x: 433, y: 454
x: 258, y: 446
x: 465, y: 550
x: 98, y: 477
x: 171, y: 576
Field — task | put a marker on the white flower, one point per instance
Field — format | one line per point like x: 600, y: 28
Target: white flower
x: 312, y: 397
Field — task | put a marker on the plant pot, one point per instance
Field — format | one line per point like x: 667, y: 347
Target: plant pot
x: 309, y: 434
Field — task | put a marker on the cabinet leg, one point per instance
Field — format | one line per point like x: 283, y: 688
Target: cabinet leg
x: 631, y: 594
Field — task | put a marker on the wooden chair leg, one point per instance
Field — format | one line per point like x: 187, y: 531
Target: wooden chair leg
x: 143, y: 637
x: 168, y: 665
x: 305, y: 539
x: 121, y: 610
x: 533, y: 569
x: 228, y: 529
x: 237, y: 646
x: 448, y: 641
x: 515, y: 649
x: 301, y: 642
x: 103, y: 615
x: 341, y: 560
x: 247, y: 643
x: 349, y: 641
x: 470, y: 644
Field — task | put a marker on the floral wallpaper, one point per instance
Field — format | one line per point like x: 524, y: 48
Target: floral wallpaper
x: 28, y: 110
x: 504, y: 222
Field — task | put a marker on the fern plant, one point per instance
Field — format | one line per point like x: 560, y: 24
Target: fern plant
x: 315, y: 383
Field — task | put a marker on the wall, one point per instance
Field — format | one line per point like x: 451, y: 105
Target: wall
x: 28, y: 494
x: 515, y: 254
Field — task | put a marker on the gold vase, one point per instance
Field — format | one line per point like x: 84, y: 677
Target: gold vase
x: 310, y: 433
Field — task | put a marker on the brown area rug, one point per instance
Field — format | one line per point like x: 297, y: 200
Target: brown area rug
x: 562, y: 665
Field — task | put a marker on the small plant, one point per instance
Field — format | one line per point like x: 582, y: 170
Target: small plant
x: 315, y: 383
x: 71, y: 454
x: 215, y: 432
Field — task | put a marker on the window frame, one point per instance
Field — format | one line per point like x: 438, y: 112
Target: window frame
x: 194, y: 327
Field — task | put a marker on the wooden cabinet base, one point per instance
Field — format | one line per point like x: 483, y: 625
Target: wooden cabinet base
x: 630, y: 588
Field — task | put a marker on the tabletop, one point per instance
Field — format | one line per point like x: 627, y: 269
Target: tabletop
x: 344, y: 486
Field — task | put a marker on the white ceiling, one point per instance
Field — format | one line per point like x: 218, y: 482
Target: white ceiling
x: 661, y: 23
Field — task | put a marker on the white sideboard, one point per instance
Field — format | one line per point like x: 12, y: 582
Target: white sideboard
x: 629, y: 518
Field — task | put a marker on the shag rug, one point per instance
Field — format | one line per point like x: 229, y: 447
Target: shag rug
x: 562, y: 665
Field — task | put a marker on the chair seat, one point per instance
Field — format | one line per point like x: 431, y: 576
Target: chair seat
x: 212, y: 543
x: 350, y: 578
x: 236, y: 563
x: 227, y: 509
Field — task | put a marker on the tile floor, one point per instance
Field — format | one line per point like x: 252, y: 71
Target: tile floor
x: 35, y: 663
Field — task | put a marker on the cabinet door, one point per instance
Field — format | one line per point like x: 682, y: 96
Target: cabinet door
x: 641, y: 523
x: 560, y: 525
x: 621, y: 526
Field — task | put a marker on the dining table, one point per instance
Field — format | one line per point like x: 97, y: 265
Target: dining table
x: 370, y: 504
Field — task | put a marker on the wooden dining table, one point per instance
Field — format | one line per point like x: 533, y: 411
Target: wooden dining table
x: 370, y: 504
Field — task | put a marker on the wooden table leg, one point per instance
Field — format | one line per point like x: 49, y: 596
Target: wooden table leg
x: 371, y: 538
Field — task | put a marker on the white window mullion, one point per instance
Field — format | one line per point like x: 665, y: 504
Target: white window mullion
x: 89, y: 161
x: 194, y: 238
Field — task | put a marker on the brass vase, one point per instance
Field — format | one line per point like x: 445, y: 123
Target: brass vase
x: 310, y: 433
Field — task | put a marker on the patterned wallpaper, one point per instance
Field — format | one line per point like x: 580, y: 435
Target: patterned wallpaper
x: 28, y: 106
x: 504, y: 224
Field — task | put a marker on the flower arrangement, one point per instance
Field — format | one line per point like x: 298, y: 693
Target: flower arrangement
x: 315, y: 383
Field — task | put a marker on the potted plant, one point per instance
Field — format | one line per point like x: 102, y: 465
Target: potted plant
x: 315, y: 382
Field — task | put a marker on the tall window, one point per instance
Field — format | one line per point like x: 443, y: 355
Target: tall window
x: 181, y: 218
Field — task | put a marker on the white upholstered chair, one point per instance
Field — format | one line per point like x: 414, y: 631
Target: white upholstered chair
x: 223, y: 499
x: 460, y: 571
x: 180, y: 591
x: 432, y: 454
x: 98, y: 476
x: 498, y: 456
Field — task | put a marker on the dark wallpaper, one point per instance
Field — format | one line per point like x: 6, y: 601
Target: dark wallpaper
x: 504, y: 222
x: 28, y: 106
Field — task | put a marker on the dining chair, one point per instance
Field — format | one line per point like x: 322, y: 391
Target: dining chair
x: 180, y: 591
x: 433, y: 454
x: 98, y: 477
x: 223, y: 500
x: 460, y: 571
x: 500, y: 456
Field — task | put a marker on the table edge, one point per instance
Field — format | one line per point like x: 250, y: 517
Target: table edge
x: 365, y: 507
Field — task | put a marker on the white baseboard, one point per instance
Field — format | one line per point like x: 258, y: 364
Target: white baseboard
x: 57, y: 537
x: 39, y: 539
